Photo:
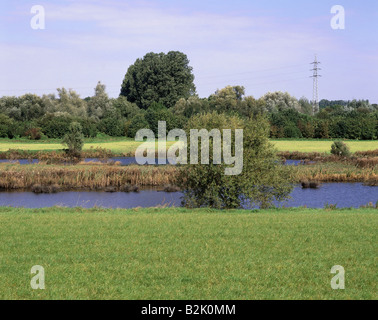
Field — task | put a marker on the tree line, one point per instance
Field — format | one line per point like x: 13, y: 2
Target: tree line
x: 160, y: 87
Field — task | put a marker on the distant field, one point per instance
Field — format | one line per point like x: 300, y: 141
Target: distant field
x: 118, y: 146
x: 182, y: 254
x: 321, y: 145
x: 127, y: 145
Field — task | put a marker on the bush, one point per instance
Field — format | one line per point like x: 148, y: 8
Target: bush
x: 261, y: 181
x: 74, y: 139
x: 55, y: 126
x: 340, y: 149
x: 112, y: 124
x: 5, y: 126
x: 137, y: 123
x: 34, y: 133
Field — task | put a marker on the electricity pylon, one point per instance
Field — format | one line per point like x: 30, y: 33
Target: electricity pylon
x: 315, y: 91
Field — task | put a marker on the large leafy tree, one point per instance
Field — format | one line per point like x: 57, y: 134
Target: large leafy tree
x: 158, y: 77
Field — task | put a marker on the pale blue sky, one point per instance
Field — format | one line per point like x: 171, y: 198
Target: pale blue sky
x: 262, y: 45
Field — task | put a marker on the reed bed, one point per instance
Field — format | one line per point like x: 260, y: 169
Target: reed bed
x: 369, y: 153
x: 98, y: 176
x: 365, y: 159
x: 92, y: 177
x: 335, y: 172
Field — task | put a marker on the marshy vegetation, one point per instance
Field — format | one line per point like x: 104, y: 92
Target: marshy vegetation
x: 89, y: 177
x: 92, y: 176
x: 54, y: 169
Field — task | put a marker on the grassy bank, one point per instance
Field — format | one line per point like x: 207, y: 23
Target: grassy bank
x: 100, y: 176
x: 181, y: 254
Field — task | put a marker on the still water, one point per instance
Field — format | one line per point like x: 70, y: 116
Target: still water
x: 342, y: 194
x: 124, y: 161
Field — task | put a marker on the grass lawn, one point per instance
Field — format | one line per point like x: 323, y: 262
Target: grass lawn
x: 182, y: 254
x: 126, y: 145
x: 321, y: 145
x: 123, y: 145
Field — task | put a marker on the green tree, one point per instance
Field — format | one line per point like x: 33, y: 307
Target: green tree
x: 262, y: 180
x: 55, y: 125
x: 112, y: 124
x: 157, y: 112
x: 158, y: 77
x: 74, y: 139
x: 279, y: 101
x: 5, y: 126
x: 99, y: 103
x: 191, y: 106
x: 127, y: 109
x: 137, y: 123
x: 227, y: 99
x: 340, y: 149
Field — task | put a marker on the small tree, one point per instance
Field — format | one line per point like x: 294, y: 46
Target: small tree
x: 340, y: 149
x: 74, y: 139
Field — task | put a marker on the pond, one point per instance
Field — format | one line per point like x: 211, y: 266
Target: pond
x: 342, y: 194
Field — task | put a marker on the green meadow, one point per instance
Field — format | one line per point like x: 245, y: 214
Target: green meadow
x: 128, y: 145
x: 116, y: 145
x: 188, y: 254
x: 322, y: 145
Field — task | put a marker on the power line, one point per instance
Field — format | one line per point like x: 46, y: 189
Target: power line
x: 252, y: 71
x: 257, y: 77
x: 203, y: 83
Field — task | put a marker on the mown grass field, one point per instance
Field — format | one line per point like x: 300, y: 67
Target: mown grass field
x: 124, y: 145
x: 181, y: 254
x: 321, y: 145
x: 127, y: 145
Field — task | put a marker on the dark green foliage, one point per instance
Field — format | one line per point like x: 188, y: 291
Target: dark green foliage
x: 89, y: 127
x: 137, y: 123
x: 340, y: 149
x: 5, y: 126
x: 164, y: 78
x: 74, y: 139
x: 126, y: 109
x: 112, y: 124
x: 262, y: 180
x: 157, y: 112
x: 55, y: 126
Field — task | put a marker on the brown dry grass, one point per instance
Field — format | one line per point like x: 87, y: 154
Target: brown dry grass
x: 94, y: 177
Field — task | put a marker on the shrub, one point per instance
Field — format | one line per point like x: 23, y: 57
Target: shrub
x: 137, y: 123
x: 74, y: 139
x: 55, y: 126
x: 261, y: 181
x: 34, y: 133
x: 5, y: 126
x: 340, y: 149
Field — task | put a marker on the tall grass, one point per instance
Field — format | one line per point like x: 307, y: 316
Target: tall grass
x: 94, y: 177
x: 334, y: 172
x: 100, y: 176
